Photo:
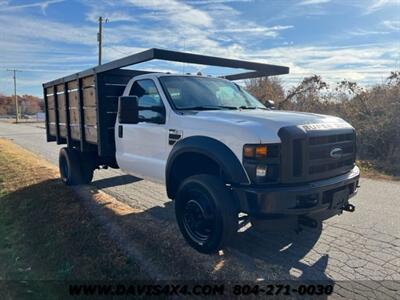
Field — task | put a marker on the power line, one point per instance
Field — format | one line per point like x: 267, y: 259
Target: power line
x: 122, y: 52
x: 15, y: 91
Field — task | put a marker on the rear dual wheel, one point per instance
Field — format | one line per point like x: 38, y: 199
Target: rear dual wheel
x: 206, y: 213
x: 75, y: 167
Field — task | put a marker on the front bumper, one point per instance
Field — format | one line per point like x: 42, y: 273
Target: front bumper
x: 312, y: 198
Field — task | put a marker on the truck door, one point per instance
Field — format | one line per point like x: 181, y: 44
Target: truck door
x: 141, y: 148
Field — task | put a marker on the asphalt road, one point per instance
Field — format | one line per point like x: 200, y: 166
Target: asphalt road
x: 363, y: 246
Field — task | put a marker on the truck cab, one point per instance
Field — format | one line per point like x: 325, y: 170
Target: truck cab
x: 222, y: 155
x: 271, y: 163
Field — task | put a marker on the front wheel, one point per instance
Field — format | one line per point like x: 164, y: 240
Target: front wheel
x: 206, y: 213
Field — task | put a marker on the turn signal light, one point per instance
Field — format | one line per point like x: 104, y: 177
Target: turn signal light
x: 261, y: 151
x: 255, y: 151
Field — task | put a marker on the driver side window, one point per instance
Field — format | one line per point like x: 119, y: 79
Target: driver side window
x: 151, y: 106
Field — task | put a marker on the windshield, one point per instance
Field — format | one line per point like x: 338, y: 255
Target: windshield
x: 200, y: 93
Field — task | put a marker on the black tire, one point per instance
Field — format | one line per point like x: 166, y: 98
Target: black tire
x: 74, y: 170
x: 87, y: 168
x: 206, y: 212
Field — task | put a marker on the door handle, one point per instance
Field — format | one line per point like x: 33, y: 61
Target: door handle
x: 120, y: 131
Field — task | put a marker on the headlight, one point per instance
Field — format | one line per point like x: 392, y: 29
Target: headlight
x: 261, y: 171
x: 261, y: 162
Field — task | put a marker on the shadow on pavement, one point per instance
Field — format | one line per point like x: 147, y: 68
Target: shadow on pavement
x: 253, y: 255
x: 115, y: 181
x: 285, y: 250
x: 153, y: 238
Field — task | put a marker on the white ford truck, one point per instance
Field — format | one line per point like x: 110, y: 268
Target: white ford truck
x: 219, y: 151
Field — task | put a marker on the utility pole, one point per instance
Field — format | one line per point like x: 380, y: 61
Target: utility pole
x: 100, y: 36
x: 15, y: 92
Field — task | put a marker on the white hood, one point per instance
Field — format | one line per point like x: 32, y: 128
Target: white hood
x: 264, y: 124
x: 274, y: 118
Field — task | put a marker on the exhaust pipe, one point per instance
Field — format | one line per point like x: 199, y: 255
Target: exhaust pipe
x: 349, y: 207
x: 306, y: 221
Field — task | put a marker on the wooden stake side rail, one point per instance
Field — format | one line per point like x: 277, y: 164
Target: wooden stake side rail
x: 67, y: 113
x: 82, y: 112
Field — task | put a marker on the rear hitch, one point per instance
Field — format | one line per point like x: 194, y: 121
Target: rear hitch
x: 306, y: 221
x: 349, y: 207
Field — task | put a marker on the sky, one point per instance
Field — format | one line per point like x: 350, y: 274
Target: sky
x: 357, y: 40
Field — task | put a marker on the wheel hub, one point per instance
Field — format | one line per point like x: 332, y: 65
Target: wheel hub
x: 198, y: 221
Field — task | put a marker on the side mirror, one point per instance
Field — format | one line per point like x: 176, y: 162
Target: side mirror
x: 270, y: 104
x: 128, y: 110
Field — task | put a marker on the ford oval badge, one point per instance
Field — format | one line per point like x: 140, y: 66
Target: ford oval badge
x: 336, y: 153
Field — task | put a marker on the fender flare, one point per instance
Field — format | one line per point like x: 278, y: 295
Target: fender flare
x: 211, y: 148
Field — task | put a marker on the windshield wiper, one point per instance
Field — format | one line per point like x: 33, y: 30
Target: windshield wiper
x: 203, y: 107
x: 250, y: 107
x: 209, y: 107
x: 227, y: 107
x: 218, y: 107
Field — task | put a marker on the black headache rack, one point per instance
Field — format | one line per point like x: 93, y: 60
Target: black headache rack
x: 81, y: 108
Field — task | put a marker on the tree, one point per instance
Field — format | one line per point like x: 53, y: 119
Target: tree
x: 306, y: 96
x: 266, y: 88
x: 28, y: 104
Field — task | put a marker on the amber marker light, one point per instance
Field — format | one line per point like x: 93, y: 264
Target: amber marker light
x: 248, y: 151
x: 261, y: 151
